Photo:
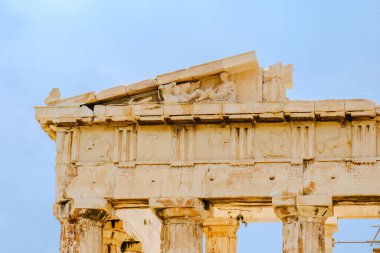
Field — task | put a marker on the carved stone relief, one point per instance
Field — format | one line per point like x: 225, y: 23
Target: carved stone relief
x: 192, y: 92
x: 272, y: 141
x: 275, y: 80
x: 154, y: 143
x: 212, y: 142
x: 96, y: 146
x: 333, y: 140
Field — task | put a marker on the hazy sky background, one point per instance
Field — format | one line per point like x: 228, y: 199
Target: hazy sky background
x: 90, y: 45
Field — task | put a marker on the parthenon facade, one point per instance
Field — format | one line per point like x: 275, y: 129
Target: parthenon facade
x: 153, y: 166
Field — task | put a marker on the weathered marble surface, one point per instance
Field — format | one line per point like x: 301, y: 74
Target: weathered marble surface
x: 205, y: 148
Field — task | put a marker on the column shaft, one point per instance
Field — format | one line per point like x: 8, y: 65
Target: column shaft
x: 181, y: 231
x: 220, y: 235
x: 303, y: 236
x: 303, y: 228
x: 331, y: 226
x: 81, y: 236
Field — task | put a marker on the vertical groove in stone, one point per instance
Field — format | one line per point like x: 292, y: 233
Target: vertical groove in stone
x: 181, y: 235
x: 303, y: 237
x: 83, y: 236
x: 220, y: 235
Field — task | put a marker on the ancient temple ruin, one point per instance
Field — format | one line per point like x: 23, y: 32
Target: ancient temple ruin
x: 155, y: 165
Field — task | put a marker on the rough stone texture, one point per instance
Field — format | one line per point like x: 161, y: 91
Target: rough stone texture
x: 331, y: 227
x: 181, y: 231
x: 303, y: 228
x: 81, y: 236
x: 143, y: 225
x: 225, y: 142
x: 303, y: 219
x: 220, y: 235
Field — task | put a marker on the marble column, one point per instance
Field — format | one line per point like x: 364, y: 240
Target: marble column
x: 81, y: 236
x: 303, y: 227
x: 82, y: 231
x: 220, y: 235
x: 331, y: 226
x: 181, y: 230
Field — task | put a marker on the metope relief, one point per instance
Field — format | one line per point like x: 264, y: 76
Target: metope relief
x: 192, y: 92
x: 333, y: 140
x: 96, y: 146
x: 272, y: 142
x: 154, y: 143
x: 212, y: 142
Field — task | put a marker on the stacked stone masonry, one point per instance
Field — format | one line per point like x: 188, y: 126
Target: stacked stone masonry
x: 152, y: 166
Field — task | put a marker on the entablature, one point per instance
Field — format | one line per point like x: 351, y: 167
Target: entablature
x: 177, y: 113
x: 235, y: 144
x: 223, y: 132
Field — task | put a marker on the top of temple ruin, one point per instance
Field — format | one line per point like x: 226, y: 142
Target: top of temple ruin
x: 232, y: 89
x: 140, y: 91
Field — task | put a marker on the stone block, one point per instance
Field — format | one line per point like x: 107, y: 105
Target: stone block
x: 329, y: 105
x: 175, y: 76
x: 177, y: 109
x: 175, y: 202
x: 264, y: 107
x: 99, y: 113
x: 206, y: 69
x: 148, y: 110
x: 330, y: 109
x: 141, y: 87
x: 208, y: 109
x: 112, y: 93
x: 241, y: 62
x: 299, y: 106
x: 119, y: 112
x: 237, y: 108
x: 288, y: 76
x: 314, y: 200
x: 360, y: 108
x: 284, y: 200
x: 82, y: 99
x: 73, y: 112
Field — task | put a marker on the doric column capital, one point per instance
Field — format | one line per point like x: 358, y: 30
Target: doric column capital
x: 82, y: 225
x: 220, y: 234
x: 181, y: 223
x: 331, y: 226
x: 303, y: 208
x: 290, y: 214
x: 175, y: 209
x: 303, y: 219
x: 67, y: 211
x: 220, y: 227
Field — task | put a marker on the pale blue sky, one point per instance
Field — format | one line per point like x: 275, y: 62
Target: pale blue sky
x: 83, y: 45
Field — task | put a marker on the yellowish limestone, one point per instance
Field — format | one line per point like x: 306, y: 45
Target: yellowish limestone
x: 146, y: 167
